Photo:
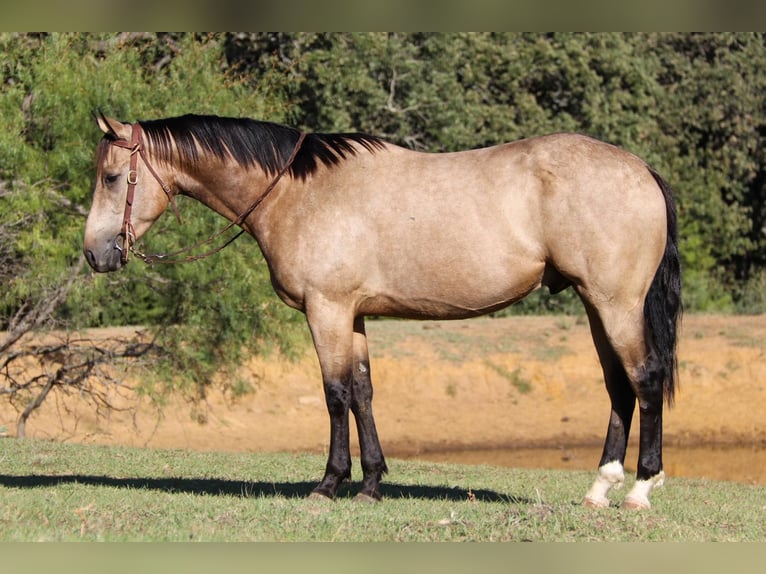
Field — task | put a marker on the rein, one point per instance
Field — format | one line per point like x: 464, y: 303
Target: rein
x: 136, y: 148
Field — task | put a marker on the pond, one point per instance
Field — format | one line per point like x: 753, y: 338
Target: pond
x: 746, y: 464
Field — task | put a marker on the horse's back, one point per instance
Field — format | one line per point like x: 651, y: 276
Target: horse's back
x: 567, y: 199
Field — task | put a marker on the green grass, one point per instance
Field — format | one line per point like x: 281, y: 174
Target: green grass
x: 515, y: 377
x: 452, y: 340
x: 61, y: 492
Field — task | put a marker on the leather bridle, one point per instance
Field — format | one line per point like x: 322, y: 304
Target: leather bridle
x: 136, y: 147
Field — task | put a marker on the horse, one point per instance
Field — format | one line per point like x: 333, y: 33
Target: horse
x: 353, y: 226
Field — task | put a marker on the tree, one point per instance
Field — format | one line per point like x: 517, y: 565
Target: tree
x: 50, y: 87
x: 713, y: 118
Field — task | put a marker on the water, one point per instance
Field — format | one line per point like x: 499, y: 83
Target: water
x: 745, y: 464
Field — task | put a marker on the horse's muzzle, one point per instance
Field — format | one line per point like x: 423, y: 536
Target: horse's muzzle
x: 105, y: 260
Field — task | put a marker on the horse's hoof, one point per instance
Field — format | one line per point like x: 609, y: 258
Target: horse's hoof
x: 631, y: 503
x: 318, y: 496
x: 365, y: 498
x: 589, y: 502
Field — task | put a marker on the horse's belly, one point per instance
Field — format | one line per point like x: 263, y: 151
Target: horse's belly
x: 453, y: 293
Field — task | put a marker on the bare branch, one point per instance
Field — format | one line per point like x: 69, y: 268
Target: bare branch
x: 21, y: 425
x: 390, y: 104
x: 30, y: 317
x: 34, y: 367
x: 88, y: 366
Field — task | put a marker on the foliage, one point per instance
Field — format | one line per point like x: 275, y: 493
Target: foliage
x: 51, y: 85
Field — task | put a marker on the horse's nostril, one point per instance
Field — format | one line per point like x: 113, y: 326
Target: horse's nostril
x: 90, y: 258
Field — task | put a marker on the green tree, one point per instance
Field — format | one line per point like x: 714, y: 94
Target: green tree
x: 49, y: 89
x: 713, y: 117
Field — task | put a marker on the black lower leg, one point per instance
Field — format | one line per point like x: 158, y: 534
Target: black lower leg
x: 373, y: 462
x: 623, y: 404
x: 338, y: 469
x: 650, y: 408
x: 650, y: 447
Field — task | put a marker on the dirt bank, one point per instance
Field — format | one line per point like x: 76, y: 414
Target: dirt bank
x: 527, y: 381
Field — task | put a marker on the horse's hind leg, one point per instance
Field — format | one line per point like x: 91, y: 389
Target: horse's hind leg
x: 611, y: 472
x: 619, y: 334
x: 373, y: 462
x: 649, y: 473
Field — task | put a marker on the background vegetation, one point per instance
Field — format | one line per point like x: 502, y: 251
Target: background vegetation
x: 692, y: 105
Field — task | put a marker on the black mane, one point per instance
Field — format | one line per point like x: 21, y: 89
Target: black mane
x: 250, y: 142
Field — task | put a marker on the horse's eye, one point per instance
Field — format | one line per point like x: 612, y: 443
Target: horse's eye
x: 111, y: 178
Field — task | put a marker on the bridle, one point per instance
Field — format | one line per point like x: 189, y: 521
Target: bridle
x: 136, y: 147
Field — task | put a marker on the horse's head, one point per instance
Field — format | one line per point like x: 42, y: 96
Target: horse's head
x: 128, y: 196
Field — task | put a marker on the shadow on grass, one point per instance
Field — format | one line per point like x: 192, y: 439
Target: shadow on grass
x: 219, y: 487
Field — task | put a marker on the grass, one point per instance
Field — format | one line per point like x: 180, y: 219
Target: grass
x: 63, y: 492
x: 452, y: 340
x: 515, y: 377
x: 741, y: 338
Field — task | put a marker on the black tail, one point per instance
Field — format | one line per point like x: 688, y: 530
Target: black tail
x: 662, y: 307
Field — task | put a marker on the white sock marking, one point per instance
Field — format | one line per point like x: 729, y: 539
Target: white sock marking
x: 611, y: 475
x: 638, y: 496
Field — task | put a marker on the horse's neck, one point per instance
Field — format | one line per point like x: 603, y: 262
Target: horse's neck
x: 232, y: 192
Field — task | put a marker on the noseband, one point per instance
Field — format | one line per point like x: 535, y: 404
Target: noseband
x: 136, y: 147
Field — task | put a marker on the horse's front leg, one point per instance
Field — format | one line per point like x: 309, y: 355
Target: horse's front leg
x: 332, y: 330
x: 373, y: 462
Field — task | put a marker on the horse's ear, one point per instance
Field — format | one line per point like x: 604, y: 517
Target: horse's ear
x: 112, y: 127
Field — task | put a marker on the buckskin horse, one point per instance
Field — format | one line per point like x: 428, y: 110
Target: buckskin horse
x: 352, y: 226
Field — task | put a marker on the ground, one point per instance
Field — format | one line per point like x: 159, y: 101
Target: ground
x: 442, y: 387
